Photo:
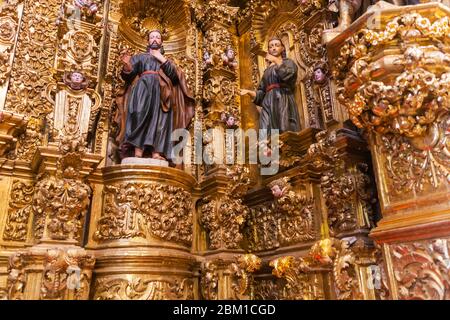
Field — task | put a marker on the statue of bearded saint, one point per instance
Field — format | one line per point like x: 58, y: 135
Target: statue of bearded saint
x: 156, y: 102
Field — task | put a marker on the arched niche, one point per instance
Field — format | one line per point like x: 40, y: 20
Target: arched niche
x: 300, y: 32
x: 141, y: 16
x: 134, y: 20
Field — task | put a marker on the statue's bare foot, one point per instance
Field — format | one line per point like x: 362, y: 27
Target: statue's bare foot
x: 138, y: 153
x: 158, y: 156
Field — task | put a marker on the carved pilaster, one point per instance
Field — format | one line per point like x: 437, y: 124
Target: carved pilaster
x: 347, y: 187
x: 399, y: 97
x: 31, y: 71
x: 220, y: 78
x: 20, y: 212
x: 223, y: 215
x: 10, y: 19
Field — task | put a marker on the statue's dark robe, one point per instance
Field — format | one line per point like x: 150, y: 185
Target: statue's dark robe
x: 278, y: 107
x: 155, y: 104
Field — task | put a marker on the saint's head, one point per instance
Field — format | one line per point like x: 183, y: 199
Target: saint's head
x: 155, y: 39
x: 276, y: 47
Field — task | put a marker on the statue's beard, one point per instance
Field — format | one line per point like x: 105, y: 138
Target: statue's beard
x: 155, y: 46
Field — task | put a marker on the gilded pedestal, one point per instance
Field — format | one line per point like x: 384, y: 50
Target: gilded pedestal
x: 143, y: 234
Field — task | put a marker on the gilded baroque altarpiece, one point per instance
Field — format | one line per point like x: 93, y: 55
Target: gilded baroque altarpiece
x: 364, y: 207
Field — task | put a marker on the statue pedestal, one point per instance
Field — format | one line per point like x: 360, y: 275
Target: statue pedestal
x: 148, y: 161
x: 142, y: 233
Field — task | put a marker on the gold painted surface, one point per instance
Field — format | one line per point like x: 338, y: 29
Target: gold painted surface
x: 224, y: 231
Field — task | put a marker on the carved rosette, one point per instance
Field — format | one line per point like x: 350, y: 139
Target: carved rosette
x: 139, y: 209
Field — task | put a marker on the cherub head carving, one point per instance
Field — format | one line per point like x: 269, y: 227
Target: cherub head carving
x: 319, y: 74
x: 279, y: 187
x: 229, y: 58
x: 76, y: 80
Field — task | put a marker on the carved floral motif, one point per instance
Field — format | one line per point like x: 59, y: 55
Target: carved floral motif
x: 288, y: 220
x: 299, y: 285
x: 242, y: 270
x: 296, y: 214
x: 329, y: 255
x: 9, y: 19
x: 16, y: 276
x: 261, y: 229
x: 5, y: 68
x: 132, y: 209
x: 34, y: 54
x: 19, y: 212
x: 407, y: 112
x: 421, y: 269
x: 411, y: 165
x: 223, y: 217
x: 268, y: 290
x: 28, y: 141
x: 64, y: 271
x: 209, y: 281
x: 139, y: 288
x: 63, y: 203
x: 348, y: 189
